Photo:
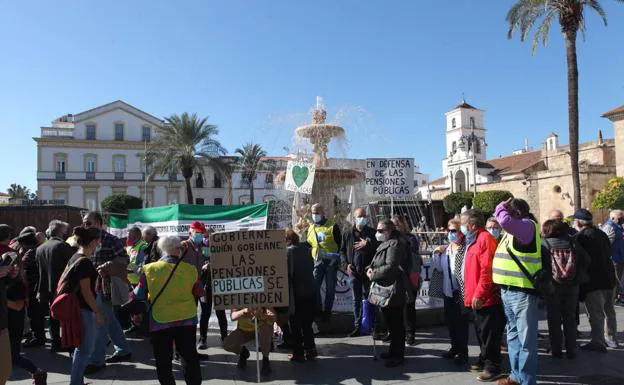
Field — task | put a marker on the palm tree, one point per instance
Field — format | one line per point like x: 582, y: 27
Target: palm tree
x: 17, y: 191
x: 250, y: 162
x: 186, y: 143
x: 571, y: 16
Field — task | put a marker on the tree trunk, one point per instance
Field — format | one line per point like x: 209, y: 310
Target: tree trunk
x: 573, y: 115
x: 251, y: 192
x: 189, y: 191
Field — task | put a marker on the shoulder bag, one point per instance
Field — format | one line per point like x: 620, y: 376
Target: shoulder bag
x: 541, y: 280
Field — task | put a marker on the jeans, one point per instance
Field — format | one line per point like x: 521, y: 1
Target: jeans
x: 396, y: 328
x: 302, y: 336
x: 521, y: 310
x: 110, y: 330
x: 82, y: 353
x: 184, y: 339
x: 16, y: 329
x: 561, y: 307
x: 489, y: 324
x: 457, y: 321
x: 324, y: 270
x: 600, y: 306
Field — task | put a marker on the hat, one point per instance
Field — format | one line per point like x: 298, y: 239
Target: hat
x: 583, y: 215
x: 5, y: 231
x: 198, y: 226
x: 27, y: 239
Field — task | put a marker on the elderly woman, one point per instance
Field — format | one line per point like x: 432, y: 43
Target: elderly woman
x: 172, y: 289
x: 387, y: 269
x: 449, y: 261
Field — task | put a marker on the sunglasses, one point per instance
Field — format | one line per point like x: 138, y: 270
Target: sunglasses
x: 452, y: 230
x: 87, y: 223
x: 381, y: 230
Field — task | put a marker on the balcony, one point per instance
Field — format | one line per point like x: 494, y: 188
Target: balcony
x: 119, y: 176
x: 64, y: 132
x: 90, y: 175
x: 173, y: 177
x: 60, y: 175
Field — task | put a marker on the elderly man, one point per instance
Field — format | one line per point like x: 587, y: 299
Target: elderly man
x: 494, y: 228
x: 520, y: 250
x: 135, y: 247
x: 111, y: 261
x: 52, y: 258
x: 357, y: 251
x: 482, y: 295
x: 324, y: 237
x: 598, y: 292
x: 150, y: 236
x: 613, y: 229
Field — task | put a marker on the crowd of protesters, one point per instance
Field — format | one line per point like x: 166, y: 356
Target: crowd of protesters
x: 492, y: 274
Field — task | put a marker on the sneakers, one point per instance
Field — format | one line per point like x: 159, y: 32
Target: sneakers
x: 611, y: 343
x: 115, y: 358
x: 410, y: 339
x: 594, y: 347
x: 355, y: 333
x: 201, y: 345
x: 311, y: 354
x: 476, y: 367
x: 242, y: 358
x: 507, y: 381
x: 266, y: 367
x: 40, y: 377
x: 487, y: 376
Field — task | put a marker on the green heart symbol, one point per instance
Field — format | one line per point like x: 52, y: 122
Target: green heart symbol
x: 300, y: 175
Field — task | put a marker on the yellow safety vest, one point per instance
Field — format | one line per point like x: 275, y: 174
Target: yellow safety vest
x: 247, y: 324
x: 328, y: 244
x: 133, y: 252
x: 505, y: 271
x: 176, y: 303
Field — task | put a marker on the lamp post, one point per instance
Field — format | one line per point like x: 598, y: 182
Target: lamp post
x: 471, y: 143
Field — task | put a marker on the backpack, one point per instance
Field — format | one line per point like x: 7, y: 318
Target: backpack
x: 563, y: 263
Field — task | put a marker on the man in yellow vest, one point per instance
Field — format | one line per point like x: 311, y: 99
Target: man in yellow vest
x: 522, y: 239
x: 324, y: 237
x: 135, y: 247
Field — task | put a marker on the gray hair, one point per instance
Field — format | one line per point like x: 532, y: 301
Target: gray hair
x: 317, y: 206
x: 29, y: 229
x: 583, y: 222
x: 492, y: 219
x: 150, y: 230
x: 474, y: 217
x: 56, y: 227
x: 615, y: 213
x: 168, y: 244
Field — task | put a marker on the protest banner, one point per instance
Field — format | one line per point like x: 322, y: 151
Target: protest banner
x: 390, y: 177
x: 249, y: 269
x: 299, y: 177
x: 423, y: 300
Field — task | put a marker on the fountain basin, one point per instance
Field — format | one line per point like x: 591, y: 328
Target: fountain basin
x: 320, y: 130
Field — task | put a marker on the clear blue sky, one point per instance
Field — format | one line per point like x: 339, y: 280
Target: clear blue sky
x: 390, y: 69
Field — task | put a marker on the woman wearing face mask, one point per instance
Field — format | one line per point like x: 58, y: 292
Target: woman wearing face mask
x: 386, y: 269
x: 449, y: 261
x: 80, y: 276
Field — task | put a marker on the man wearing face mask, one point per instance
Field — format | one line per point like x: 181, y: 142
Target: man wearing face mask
x: 324, y: 236
x: 482, y: 295
x: 357, y: 251
x: 494, y: 228
x: 52, y: 258
x: 613, y: 229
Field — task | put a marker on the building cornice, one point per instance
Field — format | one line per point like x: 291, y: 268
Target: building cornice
x: 83, y: 143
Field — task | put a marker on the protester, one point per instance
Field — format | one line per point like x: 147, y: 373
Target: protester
x: 386, y: 269
x: 303, y: 298
x: 111, y: 261
x: 522, y: 240
x: 357, y: 251
x: 245, y: 332
x: 173, y: 288
x: 41, y: 238
x: 613, y: 229
x: 27, y: 244
x: 80, y: 277
x: 481, y: 295
x: 493, y: 227
x: 413, y: 268
x: 571, y: 262
x: 150, y: 236
x: 135, y: 248
x: 8, y: 274
x: 598, y: 292
x: 324, y: 236
x: 449, y: 261
x: 52, y: 258
x: 557, y: 215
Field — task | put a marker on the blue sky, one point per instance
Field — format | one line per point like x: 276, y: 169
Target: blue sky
x: 389, y: 70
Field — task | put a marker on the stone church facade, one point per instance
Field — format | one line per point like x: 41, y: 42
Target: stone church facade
x: 541, y: 177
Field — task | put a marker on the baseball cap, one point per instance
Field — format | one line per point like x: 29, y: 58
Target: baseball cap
x: 583, y: 215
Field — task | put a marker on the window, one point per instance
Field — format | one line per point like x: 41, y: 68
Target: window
x: 244, y: 200
x: 91, y: 201
x: 199, y: 181
x: 60, y: 164
x: 90, y: 131
x: 199, y: 201
x: 146, y: 134
x: 453, y: 123
x: 60, y: 196
x: 119, y: 131
x: 172, y: 198
x: 268, y: 179
x: 454, y: 147
x: 472, y: 122
x: 217, y: 181
x: 218, y: 201
x: 90, y: 163
x: 478, y: 147
x: 119, y: 163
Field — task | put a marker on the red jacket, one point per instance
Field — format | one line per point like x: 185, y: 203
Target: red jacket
x: 478, y: 271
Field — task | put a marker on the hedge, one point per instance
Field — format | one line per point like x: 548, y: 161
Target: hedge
x: 486, y: 201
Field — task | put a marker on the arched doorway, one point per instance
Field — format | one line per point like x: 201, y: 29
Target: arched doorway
x: 460, y: 181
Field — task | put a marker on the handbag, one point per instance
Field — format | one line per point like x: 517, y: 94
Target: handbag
x: 541, y: 280
x: 380, y: 295
x: 436, y: 289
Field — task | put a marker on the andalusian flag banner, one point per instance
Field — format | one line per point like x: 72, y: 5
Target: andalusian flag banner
x: 176, y: 219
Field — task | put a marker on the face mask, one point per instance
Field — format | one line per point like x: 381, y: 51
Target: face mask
x: 470, y: 237
x: 361, y: 221
x: 198, y: 238
x: 317, y: 218
x: 464, y: 230
x: 452, y: 236
x: 496, y: 233
x: 381, y: 237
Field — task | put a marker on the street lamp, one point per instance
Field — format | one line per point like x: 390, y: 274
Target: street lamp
x: 472, y: 143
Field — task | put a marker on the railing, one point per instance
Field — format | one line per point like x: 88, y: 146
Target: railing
x: 90, y: 175
x: 60, y: 175
x: 119, y: 176
x: 57, y: 131
x: 173, y: 177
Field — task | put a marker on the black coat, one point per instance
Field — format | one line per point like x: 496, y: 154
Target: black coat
x: 388, y: 267
x: 347, y: 251
x: 601, y: 270
x: 52, y: 258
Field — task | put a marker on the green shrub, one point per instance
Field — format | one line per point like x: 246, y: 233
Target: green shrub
x: 486, y: 201
x: 611, y: 196
x: 454, y: 202
x: 121, y: 203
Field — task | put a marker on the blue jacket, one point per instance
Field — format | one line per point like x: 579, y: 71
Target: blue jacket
x: 617, y: 247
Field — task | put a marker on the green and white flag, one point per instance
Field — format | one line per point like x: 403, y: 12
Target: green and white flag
x: 176, y: 219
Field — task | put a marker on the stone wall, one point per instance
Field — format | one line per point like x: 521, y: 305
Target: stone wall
x: 618, y: 128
